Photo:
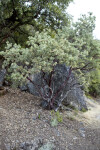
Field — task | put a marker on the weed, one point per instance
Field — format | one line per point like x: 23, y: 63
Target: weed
x: 71, y: 118
x: 39, y: 116
x: 83, y: 110
x: 56, y: 118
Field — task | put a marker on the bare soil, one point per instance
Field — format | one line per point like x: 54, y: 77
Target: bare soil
x: 23, y: 120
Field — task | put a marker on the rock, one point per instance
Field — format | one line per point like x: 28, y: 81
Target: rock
x: 37, y: 145
x: 7, y: 147
x: 48, y: 146
x: 2, y: 76
x: 44, y: 104
x: 34, y: 145
x: 66, y: 89
x: 82, y: 132
x: 76, y: 99
x: 3, y: 91
x: 1, y: 62
x: 98, y: 117
x: 24, y: 88
x: 75, y: 138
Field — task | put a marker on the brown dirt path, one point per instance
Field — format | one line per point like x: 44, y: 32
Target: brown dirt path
x: 92, y: 116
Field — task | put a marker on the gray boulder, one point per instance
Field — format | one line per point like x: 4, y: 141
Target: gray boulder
x: 61, y: 87
x: 76, y: 99
x: 2, y: 76
x: 38, y: 145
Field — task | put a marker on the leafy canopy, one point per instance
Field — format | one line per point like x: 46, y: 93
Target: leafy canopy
x: 68, y: 46
x: 94, y: 84
x: 19, y: 17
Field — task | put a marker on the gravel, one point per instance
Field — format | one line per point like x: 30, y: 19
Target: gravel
x: 22, y: 120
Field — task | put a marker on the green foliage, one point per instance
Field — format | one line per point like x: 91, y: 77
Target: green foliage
x: 48, y: 146
x: 76, y: 112
x: 39, y: 116
x: 41, y: 54
x: 20, y: 18
x: 85, y: 25
x: 88, y: 95
x: 56, y: 118
x: 83, y: 110
x: 71, y: 118
x: 84, y: 30
x: 94, y: 84
x: 59, y: 116
x: 46, y: 49
x: 44, y: 52
x: 54, y: 122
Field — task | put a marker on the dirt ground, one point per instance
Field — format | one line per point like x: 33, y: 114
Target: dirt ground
x: 23, y: 120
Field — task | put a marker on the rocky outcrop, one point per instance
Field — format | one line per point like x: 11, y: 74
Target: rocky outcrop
x: 1, y: 62
x: 2, y: 76
x: 33, y: 145
x: 37, y: 146
x: 63, y: 87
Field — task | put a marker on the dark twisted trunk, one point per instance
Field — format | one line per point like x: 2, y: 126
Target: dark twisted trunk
x: 60, y: 86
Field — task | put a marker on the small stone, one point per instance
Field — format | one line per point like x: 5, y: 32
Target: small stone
x: 98, y: 117
x: 75, y: 138
x: 45, y: 125
x: 82, y: 132
x: 34, y: 118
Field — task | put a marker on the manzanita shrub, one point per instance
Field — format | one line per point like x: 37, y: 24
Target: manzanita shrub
x: 44, y: 51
